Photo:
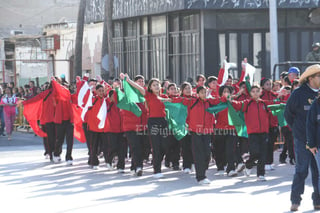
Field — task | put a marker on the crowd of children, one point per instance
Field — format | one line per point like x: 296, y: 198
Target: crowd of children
x: 142, y: 124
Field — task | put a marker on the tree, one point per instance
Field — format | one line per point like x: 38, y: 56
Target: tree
x: 107, y: 43
x: 79, y: 40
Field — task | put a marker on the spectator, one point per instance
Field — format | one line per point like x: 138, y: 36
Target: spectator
x: 314, y: 54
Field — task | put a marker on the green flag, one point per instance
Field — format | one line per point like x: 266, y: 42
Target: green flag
x: 236, y: 119
x: 278, y: 110
x: 176, y: 115
x: 124, y: 103
x: 133, y: 95
x: 217, y: 108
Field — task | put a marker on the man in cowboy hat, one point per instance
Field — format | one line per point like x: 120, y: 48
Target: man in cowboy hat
x: 295, y: 114
x: 314, y: 55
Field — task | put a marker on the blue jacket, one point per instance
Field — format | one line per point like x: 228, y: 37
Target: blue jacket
x: 298, y: 105
x: 313, y: 125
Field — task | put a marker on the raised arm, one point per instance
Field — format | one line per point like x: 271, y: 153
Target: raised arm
x: 133, y: 84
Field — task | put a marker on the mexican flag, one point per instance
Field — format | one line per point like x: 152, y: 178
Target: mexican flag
x: 127, y: 100
x: 176, y: 115
x: 278, y: 110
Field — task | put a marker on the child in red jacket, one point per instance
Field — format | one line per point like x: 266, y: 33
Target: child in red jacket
x: 201, y: 128
x: 116, y: 145
x: 257, y: 122
x: 225, y: 139
x: 96, y: 126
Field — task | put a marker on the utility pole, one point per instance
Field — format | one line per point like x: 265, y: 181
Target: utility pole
x: 274, y: 50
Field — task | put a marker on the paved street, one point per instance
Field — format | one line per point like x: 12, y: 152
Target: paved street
x: 30, y: 183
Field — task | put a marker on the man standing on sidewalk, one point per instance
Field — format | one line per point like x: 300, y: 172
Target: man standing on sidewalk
x: 295, y: 114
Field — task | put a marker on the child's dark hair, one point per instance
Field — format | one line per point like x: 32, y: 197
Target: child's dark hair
x: 99, y: 86
x: 287, y: 88
x: 151, y: 82
x: 212, y: 78
x: 294, y: 83
x: 138, y: 77
x: 255, y: 87
x: 200, y: 76
x: 92, y: 80
x: 230, y: 77
x: 242, y: 83
x: 286, y: 79
x: 200, y: 88
x: 111, y: 93
x: 171, y: 85
x: 184, y: 85
x: 163, y: 82
x: 225, y: 87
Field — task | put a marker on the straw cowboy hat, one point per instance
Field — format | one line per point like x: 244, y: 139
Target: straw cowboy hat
x: 311, y: 70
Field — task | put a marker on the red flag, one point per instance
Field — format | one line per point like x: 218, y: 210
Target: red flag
x: 78, y: 132
x: 32, y: 111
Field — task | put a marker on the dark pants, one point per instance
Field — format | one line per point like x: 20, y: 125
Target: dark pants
x: 135, y: 141
x: 64, y: 130
x: 288, y: 144
x: 187, y: 156
x: 94, y: 139
x: 49, y: 141
x: 173, y: 152
x: 304, y: 161
x: 2, y: 121
x: 201, y: 153
x: 158, y: 131
x: 258, y: 151
x: 86, y: 133
x: 242, y: 148
x: 116, y: 146
x: 225, y: 151
x: 146, y: 147
x: 273, y: 134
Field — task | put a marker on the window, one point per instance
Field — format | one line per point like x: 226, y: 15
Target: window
x: 190, y: 22
x: 158, y: 24
x: 131, y: 28
x: 117, y: 32
x: 144, y: 26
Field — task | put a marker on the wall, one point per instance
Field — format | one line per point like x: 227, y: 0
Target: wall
x: 91, y: 54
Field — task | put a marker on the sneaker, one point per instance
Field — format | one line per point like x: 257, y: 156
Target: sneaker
x: 220, y: 173
x: 132, y: 172
x: 240, y: 167
x: 139, y: 172
x: 69, y: 162
x: 232, y: 173
x: 95, y: 167
x: 187, y: 171
x: 109, y: 167
x: 56, y: 159
x: 205, y: 181
x: 247, y: 172
x: 267, y: 167
x: 261, y: 178
x: 120, y: 171
x: 193, y: 168
x: 47, y: 156
x: 272, y: 167
x: 294, y: 207
x: 158, y: 175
